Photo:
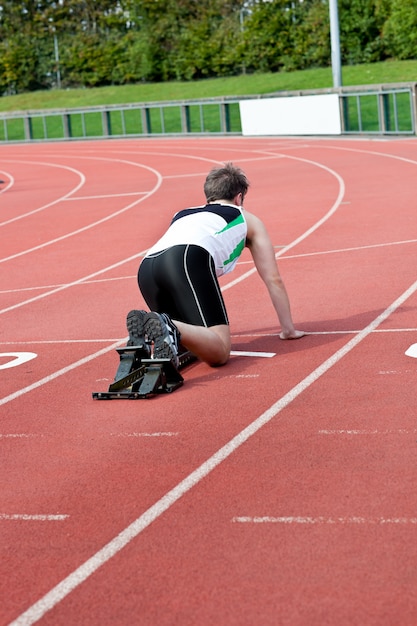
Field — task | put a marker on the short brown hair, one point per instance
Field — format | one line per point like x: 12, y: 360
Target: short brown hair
x: 225, y: 183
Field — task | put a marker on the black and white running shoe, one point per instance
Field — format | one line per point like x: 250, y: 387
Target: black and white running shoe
x: 135, y: 323
x: 160, y: 329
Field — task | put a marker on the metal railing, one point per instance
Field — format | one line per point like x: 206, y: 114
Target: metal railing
x: 389, y: 110
x: 382, y: 109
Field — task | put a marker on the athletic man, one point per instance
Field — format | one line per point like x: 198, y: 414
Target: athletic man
x: 178, y: 276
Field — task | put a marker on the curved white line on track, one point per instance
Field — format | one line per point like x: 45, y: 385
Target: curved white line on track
x: 93, y: 224
x: 160, y: 178
x: 113, y: 547
x: 313, y: 228
x: 45, y: 206
x: 9, y: 184
x: 373, y: 152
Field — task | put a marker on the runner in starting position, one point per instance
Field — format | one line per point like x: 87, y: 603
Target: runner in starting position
x: 178, y: 277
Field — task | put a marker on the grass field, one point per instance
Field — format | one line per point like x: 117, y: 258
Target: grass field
x: 371, y: 74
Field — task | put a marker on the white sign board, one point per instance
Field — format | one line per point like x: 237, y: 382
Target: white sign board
x: 297, y: 115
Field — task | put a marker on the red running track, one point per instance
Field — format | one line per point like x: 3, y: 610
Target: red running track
x: 276, y: 490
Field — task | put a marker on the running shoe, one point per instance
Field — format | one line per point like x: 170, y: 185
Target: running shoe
x: 135, y: 325
x: 160, y: 329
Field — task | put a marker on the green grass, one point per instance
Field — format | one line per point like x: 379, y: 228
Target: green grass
x: 370, y: 74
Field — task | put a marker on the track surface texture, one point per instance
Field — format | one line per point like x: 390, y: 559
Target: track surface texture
x: 277, y: 490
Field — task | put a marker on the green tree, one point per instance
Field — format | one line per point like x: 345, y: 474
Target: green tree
x: 360, y: 31
x: 268, y: 35
x: 400, y: 29
x: 311, y: 36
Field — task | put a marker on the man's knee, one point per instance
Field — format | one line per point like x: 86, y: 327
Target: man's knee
x: 222, y: 360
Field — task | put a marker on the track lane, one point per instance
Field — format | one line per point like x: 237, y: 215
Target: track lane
x: 204, y: 382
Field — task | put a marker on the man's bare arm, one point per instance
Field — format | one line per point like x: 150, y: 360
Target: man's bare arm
x: 263, y: 254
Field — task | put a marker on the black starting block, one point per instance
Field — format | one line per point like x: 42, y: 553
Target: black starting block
x: 139, y: 377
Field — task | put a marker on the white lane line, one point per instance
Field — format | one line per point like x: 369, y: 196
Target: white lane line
x: 162, y: 434
x: 57, y: 200
x: 352, y: 332
x: 395, y: 431
x: 19, y: 435
x: 80, y: 281
x: 113, y: 547
x: 354, y: 249
x: 306, y: 520
x: 60, y: 341
x: 266, y: 355
x: 60, y: 372
x: 83, y: 361
x: 33, y: 518
x: 93, y: 224
x: 108, y: 195
x: 306, y: 234
x: 250, y: 262
x: 310, y: 332
x: 87, y: 282
x: 309, y: 231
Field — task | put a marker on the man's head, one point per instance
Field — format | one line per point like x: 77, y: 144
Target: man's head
x: 225, y: 183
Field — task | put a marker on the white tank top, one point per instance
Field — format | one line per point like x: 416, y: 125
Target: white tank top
x: 220, y: 229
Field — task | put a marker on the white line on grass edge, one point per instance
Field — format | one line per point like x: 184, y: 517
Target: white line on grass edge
x: 68, y: 584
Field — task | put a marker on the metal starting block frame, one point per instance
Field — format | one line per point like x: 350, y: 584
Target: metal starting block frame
x: 140, y: 377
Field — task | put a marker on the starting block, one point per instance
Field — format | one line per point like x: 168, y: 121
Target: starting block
x: 140, y: 377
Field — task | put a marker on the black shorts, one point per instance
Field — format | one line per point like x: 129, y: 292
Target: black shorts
x: 182, y: 282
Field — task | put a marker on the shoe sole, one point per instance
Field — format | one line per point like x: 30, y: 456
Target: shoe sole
x: 156, y: 331
x: 135, y: 326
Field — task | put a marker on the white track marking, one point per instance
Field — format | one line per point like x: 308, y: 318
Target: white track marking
x: 46, y: 206
x: 87, y: 282
x: 60, y: 372
x: 310, y: 332
x: 31, y: 518
x: 59, y: 341
x: 18, y: 358
x: 163, y: 434
x: 234, y: 336
x: 373, y: 152
x: 107, y: 195
x: 9, y: 184
x: 325, y: 520
x: 231, y: 284
x: 266, y: 355
x: 18, y: 436
x: 309, y: 231
x: 412, y: 351
x: 96, y: 223
x: 80, y: 281
x: 240, y: 263
x: 79, y: 363
x: 354, y: 249
x: 113, y: 547
x: 396, y: 431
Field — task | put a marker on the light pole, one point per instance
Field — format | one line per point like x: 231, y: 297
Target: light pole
x: 335, y: 44
x: 58, y: 70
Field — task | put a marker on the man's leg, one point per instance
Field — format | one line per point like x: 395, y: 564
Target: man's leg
x: 211, y: 345
x: 182, y: 282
